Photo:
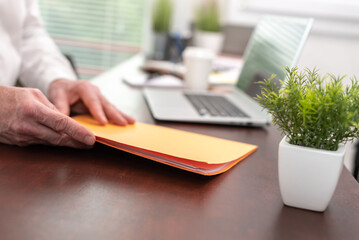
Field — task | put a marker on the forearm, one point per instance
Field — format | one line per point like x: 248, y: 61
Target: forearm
x: 42, y: 62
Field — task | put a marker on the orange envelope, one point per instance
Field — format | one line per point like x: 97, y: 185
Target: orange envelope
x: 185, y: 150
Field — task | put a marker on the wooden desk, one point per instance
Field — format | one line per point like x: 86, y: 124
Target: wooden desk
x: 103, y: 193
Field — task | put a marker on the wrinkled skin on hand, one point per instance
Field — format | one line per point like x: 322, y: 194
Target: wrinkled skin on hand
x: 84, y: 97
x: 28, y: 117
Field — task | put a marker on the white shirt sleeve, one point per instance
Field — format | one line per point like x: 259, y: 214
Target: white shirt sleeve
x: 41, y: 60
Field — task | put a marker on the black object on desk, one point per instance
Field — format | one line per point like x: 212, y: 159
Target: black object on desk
x: 356, y: 163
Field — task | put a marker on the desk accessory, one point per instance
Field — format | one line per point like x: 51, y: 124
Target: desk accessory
x: 198, y: 64
x: 153, y: 73
x: 317, y: 115
x: 192, y: 152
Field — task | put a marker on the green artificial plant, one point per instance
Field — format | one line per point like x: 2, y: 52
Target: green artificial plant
x: 162, y: 15
x: 208, y: 17
x: 313, y: 111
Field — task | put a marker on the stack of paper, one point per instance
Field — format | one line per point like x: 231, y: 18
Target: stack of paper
x: 185, y: 150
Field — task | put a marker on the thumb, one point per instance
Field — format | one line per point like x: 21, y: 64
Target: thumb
x: 61, y: 101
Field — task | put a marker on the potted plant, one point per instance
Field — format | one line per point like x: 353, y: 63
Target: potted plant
x: 317, y: 115
x: 208, y: 27
x: 161, y: 24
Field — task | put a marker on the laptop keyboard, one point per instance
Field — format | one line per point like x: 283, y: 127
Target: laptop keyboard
x: 214, y: 106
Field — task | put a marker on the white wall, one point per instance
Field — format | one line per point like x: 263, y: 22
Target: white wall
x: 332, y: 54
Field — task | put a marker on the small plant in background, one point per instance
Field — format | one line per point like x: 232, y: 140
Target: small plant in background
x: 313, y: 111
x: 162, y: 15
x: 208, y: 17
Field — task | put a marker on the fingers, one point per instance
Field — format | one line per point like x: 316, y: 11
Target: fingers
x: 64, y: 124
x: 30, y: 131
x: 79, y: 107
x: 115, y: 115
x: 51, y: 137
x: 61, y: 101
x: 40, y: 134
x: 100, y: 108
x: 71, y: 135
x: 27, y: 117
x: 90, y: 95
x: 42, y: 99
x: 84, y: 97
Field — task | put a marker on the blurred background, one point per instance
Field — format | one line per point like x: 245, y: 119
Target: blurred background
x: 101, y: 34
x: 96, y: 34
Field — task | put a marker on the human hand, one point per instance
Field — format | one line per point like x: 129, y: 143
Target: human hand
x: 27, y: 117
x: 84, y: 97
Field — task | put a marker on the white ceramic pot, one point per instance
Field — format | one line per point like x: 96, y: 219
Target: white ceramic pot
x: 209, y: 40
x: 308, y: 176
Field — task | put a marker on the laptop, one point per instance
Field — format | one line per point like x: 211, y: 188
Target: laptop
x: 275, y: 43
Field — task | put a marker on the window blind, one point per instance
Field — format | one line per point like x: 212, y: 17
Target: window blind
x: 96, y: 34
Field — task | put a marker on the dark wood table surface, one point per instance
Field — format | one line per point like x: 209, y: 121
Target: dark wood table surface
x: 103, y: 193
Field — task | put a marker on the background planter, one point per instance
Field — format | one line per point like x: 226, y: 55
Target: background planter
x: 308, y: 176
x: 209, y: 40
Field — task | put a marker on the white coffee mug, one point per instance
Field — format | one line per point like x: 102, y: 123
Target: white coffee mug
x: 198, y: 65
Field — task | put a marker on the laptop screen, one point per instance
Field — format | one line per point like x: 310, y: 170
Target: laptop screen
x: 275, y: 43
